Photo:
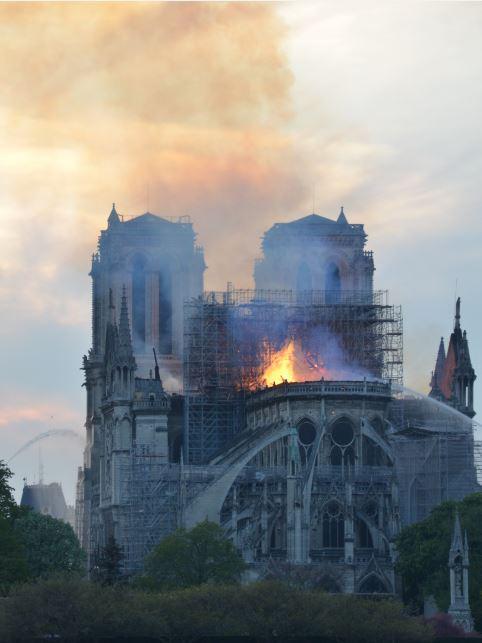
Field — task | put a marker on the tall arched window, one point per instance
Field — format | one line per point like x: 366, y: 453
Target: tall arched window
x: 333, y: 526
x: 165, y: 311
x: 139, y: 303
x: 332, y: 283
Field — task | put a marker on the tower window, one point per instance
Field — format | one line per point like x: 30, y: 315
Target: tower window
x: 332, y: 284
x: 165, y: 311
x: 139, y: 304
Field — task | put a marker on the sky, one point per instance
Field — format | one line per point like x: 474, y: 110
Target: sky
x: 240, y: 115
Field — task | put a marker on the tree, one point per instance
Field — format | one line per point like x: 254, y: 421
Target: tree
x: 50, y: 545
x: 108, y: 570
x: 423, y: 550
x: 73, y: 609
x: 13, y: 564
x: 189, y: 558
x: 8, y: 505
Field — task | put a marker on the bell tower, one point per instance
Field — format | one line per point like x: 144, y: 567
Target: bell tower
x: 161, y: 266
x: 315, y: 253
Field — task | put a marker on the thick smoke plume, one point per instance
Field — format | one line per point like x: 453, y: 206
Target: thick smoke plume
x: 173, y: 107
x: 176, y: 108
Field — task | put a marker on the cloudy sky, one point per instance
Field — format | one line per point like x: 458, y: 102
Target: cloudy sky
x: 236, y: 114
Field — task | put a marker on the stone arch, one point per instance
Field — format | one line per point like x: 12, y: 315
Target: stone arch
x: 208, y: 503
x: 328, y: 526
x: 372, y: 583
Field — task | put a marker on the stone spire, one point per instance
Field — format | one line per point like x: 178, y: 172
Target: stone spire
x: 125, y: 342
x: 453, y: 378
x: 463, y: 375
x: 437, y: 374
x: 457, y: 546
x: 113, y: 217
x: 459, y: 608
x: 342, y: 218
x: 457, y: 315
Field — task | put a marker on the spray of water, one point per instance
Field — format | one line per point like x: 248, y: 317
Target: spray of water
x: 68, y: 433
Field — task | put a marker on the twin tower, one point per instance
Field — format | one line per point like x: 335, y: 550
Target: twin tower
x: 160, y: 266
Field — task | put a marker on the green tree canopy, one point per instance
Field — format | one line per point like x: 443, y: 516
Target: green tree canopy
x: 50, y: 545
x: 8, y: 505
x: 189, y: 558
x: 13, y: 564
x: 74, y: 609
x: 423, y: 550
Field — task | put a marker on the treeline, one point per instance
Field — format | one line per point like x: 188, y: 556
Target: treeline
x: 191, y: 588
x: 73, y: 609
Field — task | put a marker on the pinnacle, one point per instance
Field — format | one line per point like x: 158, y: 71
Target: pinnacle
x: 113, y: 216
x: 124, y: 328
x: 342, y: 218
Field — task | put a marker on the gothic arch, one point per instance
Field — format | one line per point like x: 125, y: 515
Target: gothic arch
x: 372, y: 583
x: 328, y: 526
x: 208, y: 503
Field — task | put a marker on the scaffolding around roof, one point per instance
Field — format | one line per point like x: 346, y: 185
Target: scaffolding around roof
x: 231, y: 337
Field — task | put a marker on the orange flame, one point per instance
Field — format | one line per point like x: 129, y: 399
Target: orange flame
x: 291, y: 364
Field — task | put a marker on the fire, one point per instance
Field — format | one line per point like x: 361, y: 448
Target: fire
x: 291, y: 364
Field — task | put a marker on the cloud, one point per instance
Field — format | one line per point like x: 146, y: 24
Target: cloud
x: 119, y: 101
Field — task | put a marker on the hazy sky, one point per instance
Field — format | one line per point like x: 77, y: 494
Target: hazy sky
x: 236, y: 114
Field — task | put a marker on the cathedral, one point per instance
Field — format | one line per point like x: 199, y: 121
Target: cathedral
x: 277, y: 412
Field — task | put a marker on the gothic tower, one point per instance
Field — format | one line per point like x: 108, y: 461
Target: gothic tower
x: 144, y: 269
x: 160, y: 265
x: 453, y: 378
x: 316, y: 253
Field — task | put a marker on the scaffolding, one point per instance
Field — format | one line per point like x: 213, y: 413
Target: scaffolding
x: 151, y: 488
x: 435, y: 466
x: 231, y: 337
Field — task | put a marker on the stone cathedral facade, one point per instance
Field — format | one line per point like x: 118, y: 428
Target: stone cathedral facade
x: 269, y: 411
